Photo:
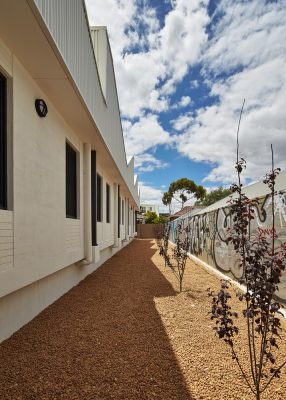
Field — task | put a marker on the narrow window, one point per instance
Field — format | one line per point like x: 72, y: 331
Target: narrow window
x: 3, y: 142
x: 122, y: 212
x: 99, y: 197
x: 128, y: 212
x: 93, y: 197
x: 71, y: 182
x: 107, y: 203
x: 119, y: 215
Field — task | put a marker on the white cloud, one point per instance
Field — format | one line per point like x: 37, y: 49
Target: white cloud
x: 117, y: 16
x: 150, y: 195
x: 194, y: 84
x: 249, y: 46
x: 147, y: 76
x: 182, y: 122
x: 244, y: 57
x: 137, y: 77
x: 182, y: 39
x: 146, y: 162
x: 250, y: 34
x: 182, y: 103
x: 145, y: 134
x: 149, y: 61
x: 185, y: 101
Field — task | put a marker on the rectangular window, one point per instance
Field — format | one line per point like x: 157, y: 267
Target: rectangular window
x: 99, y: 197
x: 71, y: 182
x: 107, y: 203
x: 93, y: 197
x: 118, y: 208
x: 3, y: 142
x: 122, y: 212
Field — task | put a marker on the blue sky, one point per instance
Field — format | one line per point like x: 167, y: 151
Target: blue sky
x: 183, y: 68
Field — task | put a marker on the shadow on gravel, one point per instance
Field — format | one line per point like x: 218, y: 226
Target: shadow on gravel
x: 102, y: 340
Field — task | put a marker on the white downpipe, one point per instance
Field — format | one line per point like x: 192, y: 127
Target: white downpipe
x: 128, y: 219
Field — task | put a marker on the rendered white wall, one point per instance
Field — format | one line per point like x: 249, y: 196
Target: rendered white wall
x: 21, y: 306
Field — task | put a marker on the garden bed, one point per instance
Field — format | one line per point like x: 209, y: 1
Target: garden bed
x: 126, y: 333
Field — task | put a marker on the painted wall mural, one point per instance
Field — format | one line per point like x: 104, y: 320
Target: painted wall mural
x: 208, y: 234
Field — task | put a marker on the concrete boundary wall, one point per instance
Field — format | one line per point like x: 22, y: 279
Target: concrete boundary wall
x: 208, y: 230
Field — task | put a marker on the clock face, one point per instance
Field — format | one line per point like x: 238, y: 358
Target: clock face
x: 41, y: 107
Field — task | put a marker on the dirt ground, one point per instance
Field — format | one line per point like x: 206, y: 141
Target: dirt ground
x: 126, y: 333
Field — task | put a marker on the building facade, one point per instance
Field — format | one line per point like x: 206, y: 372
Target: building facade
x: 68, y: 197
x: 149, y: 207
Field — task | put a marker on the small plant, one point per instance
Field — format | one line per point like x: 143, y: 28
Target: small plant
x: 179, y: 254
x: 159, y: 234
x: 162, y: 234
x: 166, y: 237
x: 262, y: 263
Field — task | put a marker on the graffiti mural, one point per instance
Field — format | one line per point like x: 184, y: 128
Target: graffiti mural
x: 208, y: 234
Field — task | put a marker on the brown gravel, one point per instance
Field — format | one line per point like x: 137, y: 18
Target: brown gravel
x: 125, y: 333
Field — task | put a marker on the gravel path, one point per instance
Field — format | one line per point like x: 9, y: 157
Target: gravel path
x: 125, y: 333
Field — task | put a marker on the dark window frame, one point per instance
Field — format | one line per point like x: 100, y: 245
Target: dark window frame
x: 107, y: 203
x: 71, y: 182
x: 128, y: 215
x: 99, y: 198
x: 3, y: 142
x: 93, y: 197
x: 122, y: 213
x: 118, y: 209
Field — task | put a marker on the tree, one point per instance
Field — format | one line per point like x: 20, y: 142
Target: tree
x: 183, y: 190
x: 151, y: 217
x: 177, y: 260
x: 167, y: 200
x: 214, y: 196
x: 162, y: 219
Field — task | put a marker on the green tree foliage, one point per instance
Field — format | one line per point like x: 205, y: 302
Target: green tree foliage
x: 151, y: 217
x: 167, y: 200
x: 183, y: 190
x: 162, y: 219
x: 214, y: 196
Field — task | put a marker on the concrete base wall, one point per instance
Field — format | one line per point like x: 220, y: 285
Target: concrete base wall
x: 21, y: 306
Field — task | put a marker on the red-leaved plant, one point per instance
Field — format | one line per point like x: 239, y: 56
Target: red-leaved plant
x: 262, y: 264
x: 176, y: 258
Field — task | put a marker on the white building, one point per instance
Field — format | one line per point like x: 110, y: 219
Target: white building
x: 67, y: 195
x: 149, y: 207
